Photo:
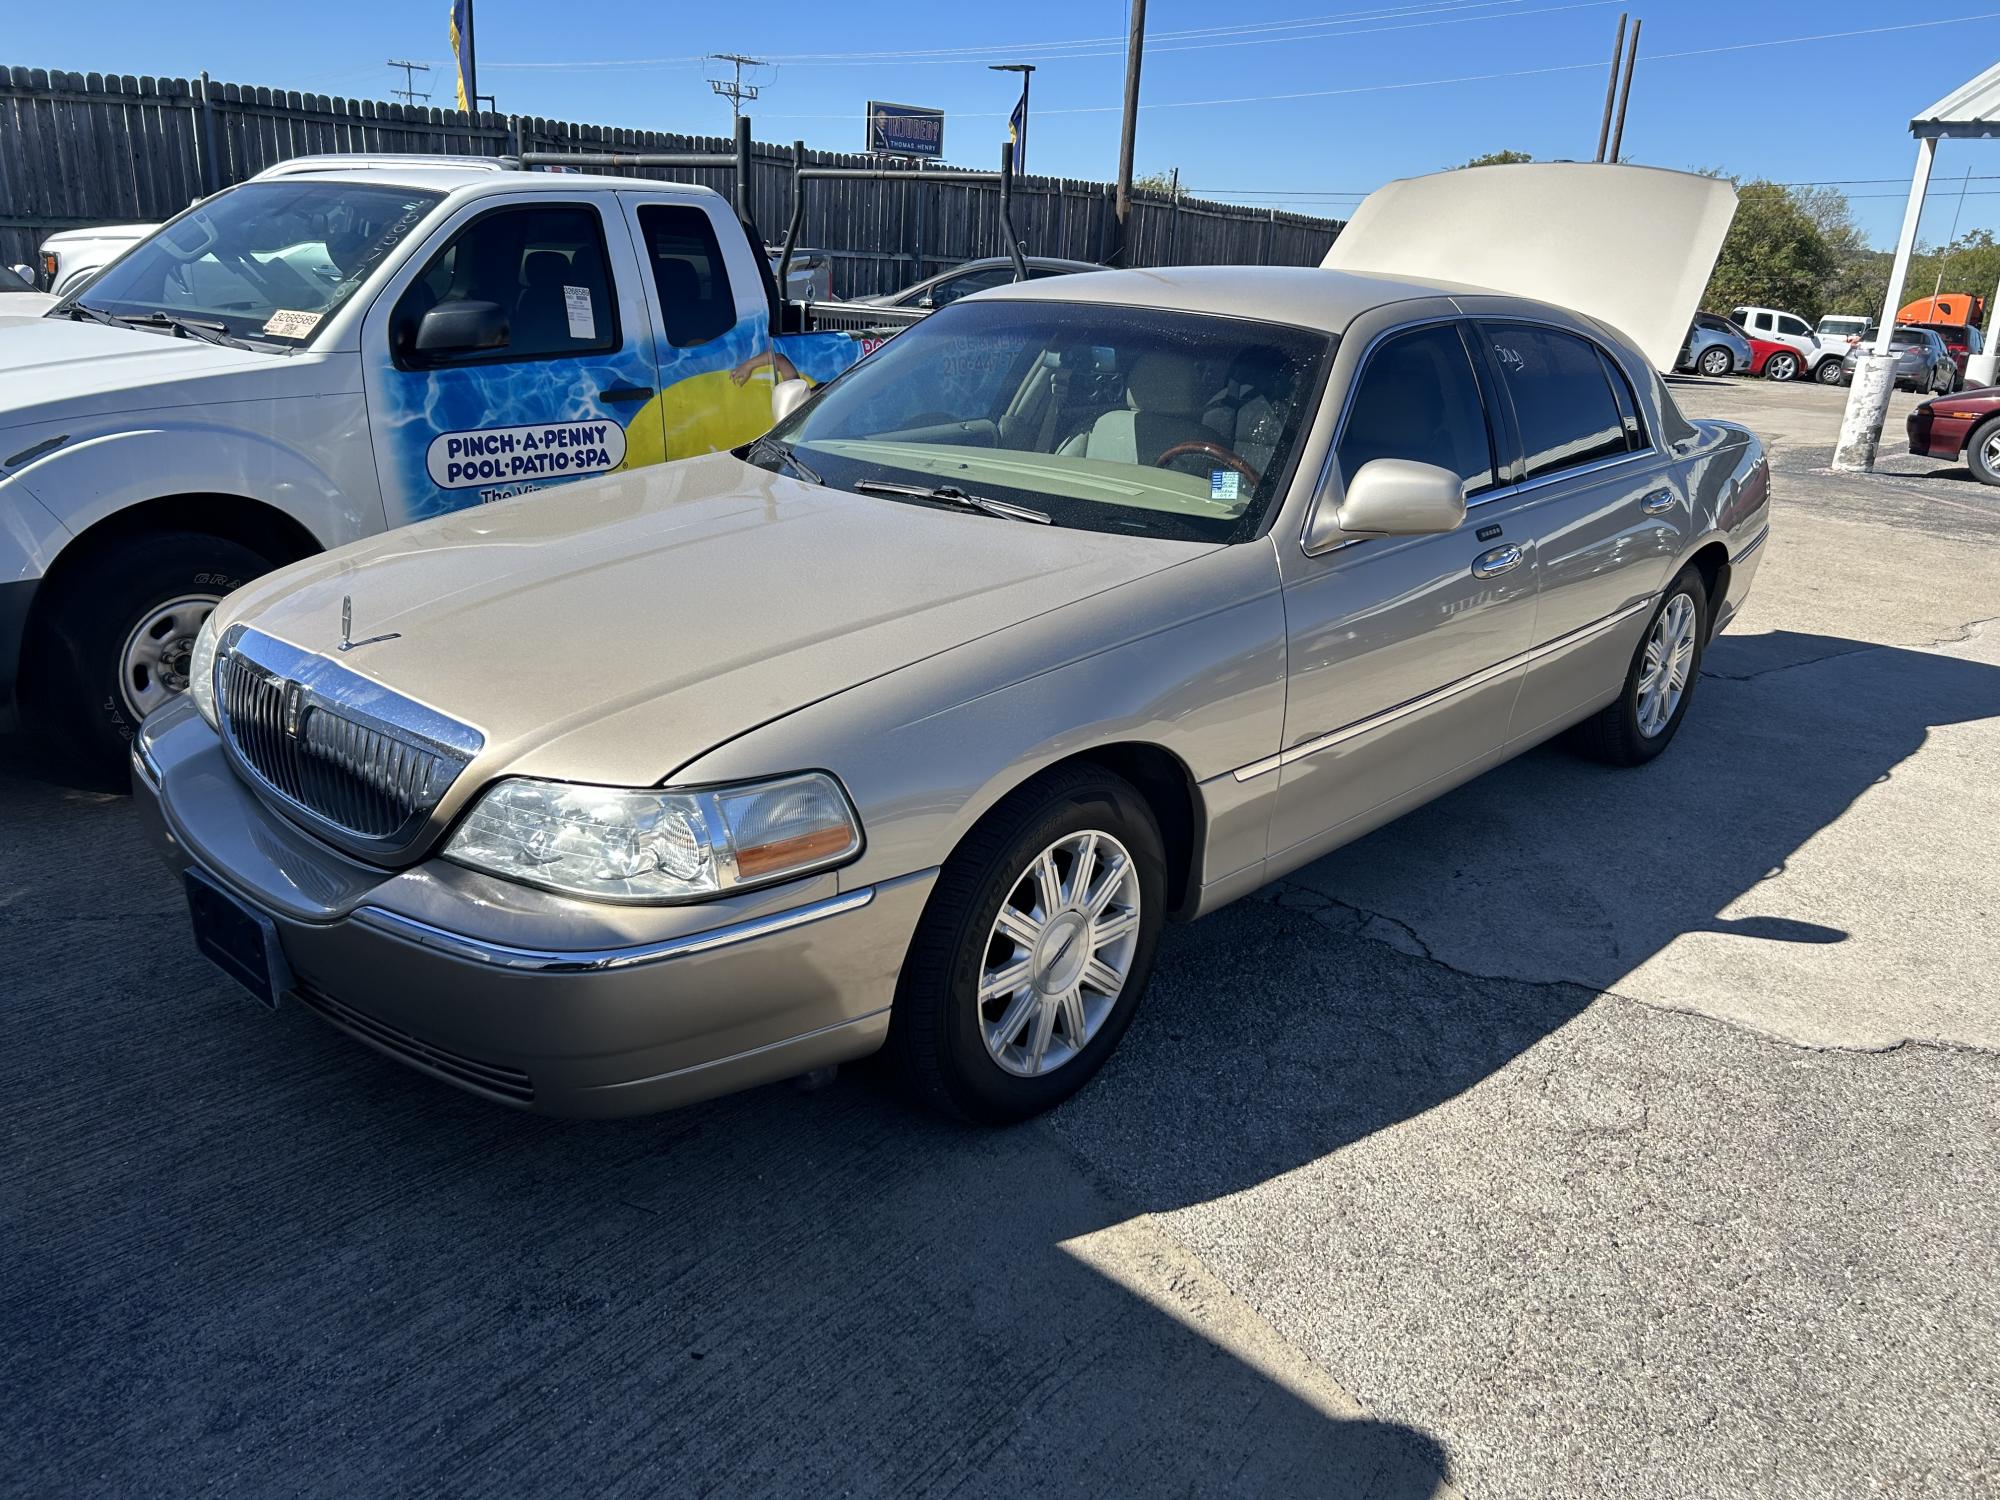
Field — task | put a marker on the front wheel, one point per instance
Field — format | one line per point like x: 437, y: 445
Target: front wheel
x: 1982, y: 451
x: 1033, y: 950
x: 1659, y: 684
x: 121, y: 627
x: 1783, y: 365
x: 1828, y: 372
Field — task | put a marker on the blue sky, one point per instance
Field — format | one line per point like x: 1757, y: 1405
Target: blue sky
x: 1389, y: 88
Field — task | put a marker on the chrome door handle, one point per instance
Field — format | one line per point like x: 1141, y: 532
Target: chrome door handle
x: 1499, y: 560
x: 1657, y: 501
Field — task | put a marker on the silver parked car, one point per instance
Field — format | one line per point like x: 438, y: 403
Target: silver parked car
x: 970, y: 276
x: 1715, y: 346
x: 1081, y: 606
x: 1923, y: 363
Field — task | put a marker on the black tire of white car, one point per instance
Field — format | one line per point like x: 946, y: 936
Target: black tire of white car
x: 94, y: 613
x: 1612, y: 734
x: 936, y: 1040
x: 1717, y: 362
x: 1975, y: 451
x: 1828, y: 372
x: 1781, y: 366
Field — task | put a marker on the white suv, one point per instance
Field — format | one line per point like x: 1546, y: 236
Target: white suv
x: 1784, y: 347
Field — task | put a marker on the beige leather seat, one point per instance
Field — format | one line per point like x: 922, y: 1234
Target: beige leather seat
x: 1164, y: 400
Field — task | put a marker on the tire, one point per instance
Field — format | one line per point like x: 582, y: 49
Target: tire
x: 1784, y: 365
x: 1982, y: 451
x: 1716, y: 362
x: 1620, y: 734
x: 939, y: 1030
x: 117, y: 630
x: 1828, y: 372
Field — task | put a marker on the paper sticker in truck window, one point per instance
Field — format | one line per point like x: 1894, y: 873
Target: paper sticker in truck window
x: 582, y: 321
x: 286, y: 324
x: 509, y: 455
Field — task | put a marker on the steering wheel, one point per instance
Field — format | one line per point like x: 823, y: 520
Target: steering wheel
x: 1215, y: 451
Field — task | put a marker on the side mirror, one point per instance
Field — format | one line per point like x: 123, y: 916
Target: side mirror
x: 787, y: 396
x: 1389, y: 497
x: 461, y: 328
x: 27, y: 274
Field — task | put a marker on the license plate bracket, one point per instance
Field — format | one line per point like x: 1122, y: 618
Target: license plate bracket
x: 237, y: 939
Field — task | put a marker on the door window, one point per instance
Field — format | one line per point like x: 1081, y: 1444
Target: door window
x: 1794, y: 326
x: 1562, y: 394
x: 1417, y: 398
x: 696, y: 303
x: 543, y: 265
x: 949, y: 291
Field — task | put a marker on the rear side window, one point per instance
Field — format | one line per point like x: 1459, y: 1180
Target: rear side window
x: 543, y: 265
x: 1794, y: 326
x: 696, y: 303
x: 1417, y: 398
x: 1562, y: 394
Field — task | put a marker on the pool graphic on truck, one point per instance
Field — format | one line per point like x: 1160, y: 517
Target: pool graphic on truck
x: 506, y: 455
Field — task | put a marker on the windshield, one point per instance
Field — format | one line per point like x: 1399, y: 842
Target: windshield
x: 1125, y: 419
x: 268, y: 260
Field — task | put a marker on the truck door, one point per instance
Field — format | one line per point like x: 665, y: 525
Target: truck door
x: 514, y: 353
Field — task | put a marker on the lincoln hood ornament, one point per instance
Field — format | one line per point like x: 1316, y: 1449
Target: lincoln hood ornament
x: 347, y: 640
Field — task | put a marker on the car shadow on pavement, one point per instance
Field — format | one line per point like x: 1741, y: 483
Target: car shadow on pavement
x: 242, y: 1249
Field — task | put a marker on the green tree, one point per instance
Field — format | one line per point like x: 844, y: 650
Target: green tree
x: 1499, y: 159
x: 1775, y: 255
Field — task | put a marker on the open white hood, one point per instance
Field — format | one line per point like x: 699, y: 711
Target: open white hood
x: 1631, y: 246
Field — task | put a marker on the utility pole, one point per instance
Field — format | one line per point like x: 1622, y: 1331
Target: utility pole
x: 734, y: 89
x: 1135, y: 46
x: 408, y: 92
x: 1611, y: 87
x: 1625, y: 94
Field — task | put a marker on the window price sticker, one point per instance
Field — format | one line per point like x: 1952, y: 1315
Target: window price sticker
x: 1224, y: 484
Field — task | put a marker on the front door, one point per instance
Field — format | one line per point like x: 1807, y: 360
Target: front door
x: 1400, y: 647
x: 552, y: 397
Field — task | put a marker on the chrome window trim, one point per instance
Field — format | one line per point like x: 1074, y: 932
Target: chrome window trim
x: 601, y: 960
x: 1652, y: 450
x: 1387, y: 716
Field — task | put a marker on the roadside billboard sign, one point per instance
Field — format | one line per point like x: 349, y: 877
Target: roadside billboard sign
x: 904, y: 130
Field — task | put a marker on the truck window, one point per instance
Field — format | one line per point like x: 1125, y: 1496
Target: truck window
x: 544, y: 265
x: 696, y: 303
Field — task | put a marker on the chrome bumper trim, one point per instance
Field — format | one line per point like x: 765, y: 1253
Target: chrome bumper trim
x: 143, y: 763
x: 558, y: 961
x: 1485, y: 675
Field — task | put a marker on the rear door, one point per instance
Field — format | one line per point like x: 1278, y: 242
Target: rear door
x: 1399, y: 646
x: 1606, y: 506
x: 567, y: 393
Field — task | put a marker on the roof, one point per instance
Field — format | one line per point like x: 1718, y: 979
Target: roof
x: 1971, y: 111
x: 447, y: 174
x: 1303, y: 296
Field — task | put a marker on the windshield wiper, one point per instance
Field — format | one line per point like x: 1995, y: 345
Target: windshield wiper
x: 212, y: 333
x: 97, y: 315
x: 781, y: 450
x: 951, y: 494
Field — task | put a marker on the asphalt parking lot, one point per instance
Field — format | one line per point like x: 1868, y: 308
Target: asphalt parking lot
x: 1585, y: 1133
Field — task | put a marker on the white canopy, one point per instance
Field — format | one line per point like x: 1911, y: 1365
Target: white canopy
x: 1971, y: 111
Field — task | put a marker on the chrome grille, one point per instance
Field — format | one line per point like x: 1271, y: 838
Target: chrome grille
x: 362, y: 764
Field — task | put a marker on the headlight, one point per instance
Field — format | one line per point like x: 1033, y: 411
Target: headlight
x: 617, y: 844
x: 201, y: 670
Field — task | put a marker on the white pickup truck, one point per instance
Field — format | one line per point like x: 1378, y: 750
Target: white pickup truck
x: 338, y: 346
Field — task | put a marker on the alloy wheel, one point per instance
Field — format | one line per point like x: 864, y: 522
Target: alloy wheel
x: 153, y: 666
x: 1668, y: 660
x: 1059, y: 953
x: 1782, y: 366
x: 1715, y: 362
x: 1989, y: 451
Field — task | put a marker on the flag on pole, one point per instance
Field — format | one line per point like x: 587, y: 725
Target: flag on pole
x: 1017, y: 131
x: 461, y: 52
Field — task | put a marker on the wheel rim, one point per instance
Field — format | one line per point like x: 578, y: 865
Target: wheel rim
x: 1715, y: 362
x: 1989, y: 452
x: 1782, y: 367
x: 1059, y: 953
x: 1669, y: 657
x: 153, y: 667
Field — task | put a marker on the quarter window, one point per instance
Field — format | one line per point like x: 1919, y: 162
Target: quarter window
x: 1562, y: 395
x: 1418, y: 399
x: 542, y: 265
x: 696, y: 303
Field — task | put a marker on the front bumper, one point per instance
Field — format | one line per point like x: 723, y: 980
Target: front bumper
x: 420, y: 964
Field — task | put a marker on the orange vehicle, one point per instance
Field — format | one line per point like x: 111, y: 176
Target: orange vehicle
x: 1948, y: 307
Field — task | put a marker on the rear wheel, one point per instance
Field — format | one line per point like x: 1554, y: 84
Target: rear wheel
x: 118, y: 633
x: 1982, y: 451
x: 1034, y: 949
x: 1828, y: 372
x: 1784, y: 365
x: 1659, y: 684
x: 1716, y: 361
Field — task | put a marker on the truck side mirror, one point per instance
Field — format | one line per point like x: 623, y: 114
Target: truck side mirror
x: 787, y: 396
x: 27, y: 274
x: 461, y: 328
x: 1389, y: 497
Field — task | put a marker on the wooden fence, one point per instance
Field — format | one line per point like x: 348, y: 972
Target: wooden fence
x: 82, y: 149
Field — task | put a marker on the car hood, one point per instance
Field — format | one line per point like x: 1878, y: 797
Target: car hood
x: 614, y: 630
x: 47, y: 362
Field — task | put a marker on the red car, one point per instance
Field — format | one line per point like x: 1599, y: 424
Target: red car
x: 1967, y: 423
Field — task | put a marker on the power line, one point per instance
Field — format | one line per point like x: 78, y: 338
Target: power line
x: 734, y: 89
x: 408, y: 92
